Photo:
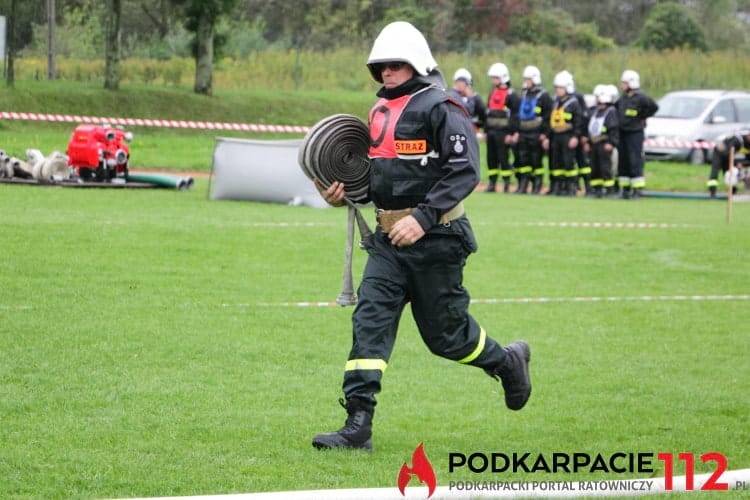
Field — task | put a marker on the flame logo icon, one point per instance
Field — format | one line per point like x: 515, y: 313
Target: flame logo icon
x: 421, y: 467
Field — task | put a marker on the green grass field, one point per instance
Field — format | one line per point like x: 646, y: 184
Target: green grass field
x: 145, y: 349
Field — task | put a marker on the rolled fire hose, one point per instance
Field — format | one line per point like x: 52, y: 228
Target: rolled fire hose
x: 335, y: 149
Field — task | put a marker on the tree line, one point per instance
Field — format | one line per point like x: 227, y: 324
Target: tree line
x: 206, y: 29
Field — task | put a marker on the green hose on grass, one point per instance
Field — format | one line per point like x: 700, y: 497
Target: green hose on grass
x: 162, y: 180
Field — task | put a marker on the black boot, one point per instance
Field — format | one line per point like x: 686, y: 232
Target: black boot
x: 572, y: 187
x: 597, y: 191
x: 491, y: 184
x: 536, y: 187
x: 712, y: 191
x: 637, y: 192
x: 625, y: 193
x: 554, y: 186
x: 587, y: 191
x: 513, y: 372
x: 523, y: 184
x: 356, y: 432
x: 506, y: 184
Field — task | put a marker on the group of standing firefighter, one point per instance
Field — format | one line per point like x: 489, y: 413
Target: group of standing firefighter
x: 597, y: 147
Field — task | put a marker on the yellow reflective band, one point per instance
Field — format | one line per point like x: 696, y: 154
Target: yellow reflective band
x: 365, y: 364
x: 476, y: 352
x: 492, y: 171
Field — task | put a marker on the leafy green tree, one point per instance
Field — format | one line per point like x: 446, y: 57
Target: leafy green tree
x: 670, y: 25
x: 112, y: 39
x: 722, y: 27
x: 556, y: 27
x: 201, y: 18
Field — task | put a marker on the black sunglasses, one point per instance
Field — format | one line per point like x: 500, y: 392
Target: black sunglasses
x: 391, y: 66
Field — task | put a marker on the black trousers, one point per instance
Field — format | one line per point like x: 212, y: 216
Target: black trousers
x: 429, y: 276
x: 630, y: 163
x: 601, y: 163
x: 498, y: 154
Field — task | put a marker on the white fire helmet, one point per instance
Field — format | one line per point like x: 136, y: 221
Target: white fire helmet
x: 532, y: 73
x: 462, y: 74
x: 605, y: 94
x: 613, y: 92
x: 564, y: 79
x: 631, y: 78
x: 500, y: 71
x: 401, y: 41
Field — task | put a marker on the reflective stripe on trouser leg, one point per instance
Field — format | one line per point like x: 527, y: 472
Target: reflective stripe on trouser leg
x: 381, y: 298
x: 366, y: 364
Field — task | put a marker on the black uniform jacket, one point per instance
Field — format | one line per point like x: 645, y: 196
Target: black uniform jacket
x: 424, y: 152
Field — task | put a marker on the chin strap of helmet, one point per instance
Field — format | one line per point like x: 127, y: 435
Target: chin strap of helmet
x: 335, y: 149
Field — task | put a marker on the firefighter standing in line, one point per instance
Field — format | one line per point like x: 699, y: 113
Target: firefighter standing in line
x: 566, y: 125
x: 424, y: 160
x: 603, y: 138
x: 500, y: 126
x: 464, y: 93
x: 740, y: 141
x: 533, y: 131
x: 582, y: 158
x: 633, y: 108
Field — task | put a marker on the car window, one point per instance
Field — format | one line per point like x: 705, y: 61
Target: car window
x: 743, y: 109
x: 671, y: 106
x: 724, y: 109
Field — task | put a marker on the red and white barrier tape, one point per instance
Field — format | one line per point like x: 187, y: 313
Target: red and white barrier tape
x: 659, y: 143
x: 146, y: 122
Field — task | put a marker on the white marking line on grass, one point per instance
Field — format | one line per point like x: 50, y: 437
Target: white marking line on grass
x: 291, y: 224
x: 527, y: 300
x: 607, y: 225
x: 738, y: 480
x: 15, y: 307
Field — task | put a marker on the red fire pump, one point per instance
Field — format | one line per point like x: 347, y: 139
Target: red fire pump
x: 99, y: 152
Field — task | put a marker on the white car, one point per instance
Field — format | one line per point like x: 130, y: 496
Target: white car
x: 687, y: 118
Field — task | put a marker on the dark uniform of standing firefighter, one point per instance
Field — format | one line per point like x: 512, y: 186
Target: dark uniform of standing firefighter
x: 500, y: 125
x: 424, y: 160
x: 603, y: 138
x: 633, y: 108
x: 533, y: 131
x: 566, y: 125
x: 740, y: 142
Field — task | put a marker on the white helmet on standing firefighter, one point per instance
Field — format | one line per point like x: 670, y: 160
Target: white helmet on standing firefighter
x: 565, y: 80
x: 631, y: 78
x: 532, y: 73
x: 500, y: 71
x: 401, y: 41
x: 462, y: 74
x: 603, y: 93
